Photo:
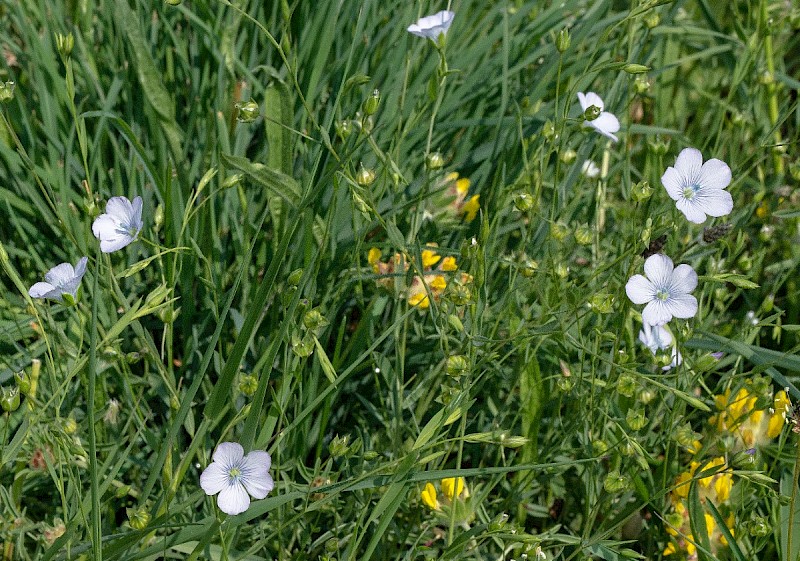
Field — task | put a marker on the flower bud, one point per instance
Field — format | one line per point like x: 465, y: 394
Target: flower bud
x: 562, y: 40
x: 302, y: 347
x: 6, y: 91
x: 759, y: 527
x: 602, y: 303
x: 139, y: 518
x: 370, y: 455
x: 64, y: 44
x: 558, y: 231
x: 434, y: 161
x: 599, y: 447
x: 658, y: 146
x: 652, y: 20
x: 294, y: 277
x: 641, y: 191
x: 636, y: 418
x: 9, y: 399
x: 371, y: 104
x: 524, y: 202
x: 315, y: 321
x: 248, y: 384
x: 528, y: 266
x: 168, y: 315
x: 766, y: 78
x: 174, y: 403
x: 626, y: 385
x: 248, y: 111
x: 583, y: 235
x: 615, y: 482
x: 338, y: 446
x: 70, y: 425
x: 641, y: 85
x: 23, y: 382
x: 549, y: 131
x: 332, y: 545
x: 365, y: 177
x: 631, y: 68
x: 343, y: 129
x: 592, y: 112
x: 568, y: 156
x: 562, y: 271
x: 457, y: 366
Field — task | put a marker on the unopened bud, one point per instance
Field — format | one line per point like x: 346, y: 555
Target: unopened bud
x: 371, y: 104
x: 248, y: 384
x: 343, y: 129
x: 563, y: 40
x: 583, y: 235
x: 558, y: 231
x: 626, y: 385
x: 338, y: 446
x: 434, y: 161
x: 652, y: 20
x: 365, y: 177
x: 315, y: 321
x: 294, y: 277
x: 636, y: 418
x: 568, y: 156
x: 457, y: 366
x: 139, y: 518
x: 631, y: 68
x: 6, y: 91
x: 524, y: 202
x: 9, y: 399
x: 641, y: 191
x: 64, y: 44
x: 615, y: 482
x: 247, y: 111
x: 562, y: 271
x: 641, y: 85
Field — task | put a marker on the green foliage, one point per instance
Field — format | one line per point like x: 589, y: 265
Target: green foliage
x: 252, y: 309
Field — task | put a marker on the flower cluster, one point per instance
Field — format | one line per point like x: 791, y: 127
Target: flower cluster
x: 749, y: 419
x: 116, y: 228
x: 455, y: 497
x: 432, y: 282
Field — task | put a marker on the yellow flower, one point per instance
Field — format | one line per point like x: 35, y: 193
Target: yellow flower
x: 670, y: 549
x: 781, y: 407
x: 428, y: 496
x: 374, y: 255
x: 452, y: 487
x: 419, y: 299
x: 471, y: 208
x: 448, y: 264
x: 429, y: 258
x: 438, y: 284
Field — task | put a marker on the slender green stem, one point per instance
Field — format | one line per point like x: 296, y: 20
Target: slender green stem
x: 793, y: 502
x: 97, y: 545
x: 772, y: 90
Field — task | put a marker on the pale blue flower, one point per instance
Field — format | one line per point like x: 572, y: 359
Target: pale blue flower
x: 61, y: 280
x: 120, y: 225
x: 233, y: 475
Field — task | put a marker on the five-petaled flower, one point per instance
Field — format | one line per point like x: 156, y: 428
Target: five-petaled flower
x: 605, y: 123
x: 666, y: 290
x: 698, y: 188
x: 432, y: 26
x: 120, y: 225
x: 61, y: 280
x: 233, y: 475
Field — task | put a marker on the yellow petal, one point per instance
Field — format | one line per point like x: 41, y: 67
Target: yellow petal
x: 452, y: 487
x: 429, y: 258
x: 471, y: 208
x: 428, y: 496
x: 373, y: 256
x: 448, y: 264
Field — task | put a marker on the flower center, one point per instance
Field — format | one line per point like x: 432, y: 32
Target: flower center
x: 234, y: 474
x: 662, y: 295
x: 690, y: 191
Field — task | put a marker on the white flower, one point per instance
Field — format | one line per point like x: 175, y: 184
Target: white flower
x: 666, y: 290
x: 60, y: 280
x: 233, y: 475
x: 605, y: 123
x: 590, y: 169
x: 698, y: 189
x: 120, y: 225
x: 432, y: 26
x: 655, y: 337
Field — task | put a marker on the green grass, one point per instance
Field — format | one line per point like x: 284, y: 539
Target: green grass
x: 249, y: 227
